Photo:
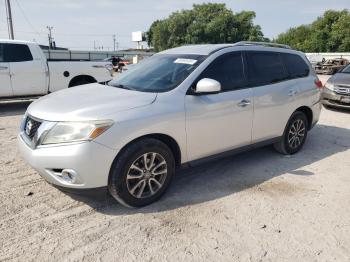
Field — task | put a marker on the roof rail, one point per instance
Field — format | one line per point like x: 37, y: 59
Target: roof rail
x: 268, y: 44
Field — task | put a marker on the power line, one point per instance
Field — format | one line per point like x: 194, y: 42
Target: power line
x: 42, y: 33
x: 69, y: 35
x: 26, y: 18
x: 79, y: 35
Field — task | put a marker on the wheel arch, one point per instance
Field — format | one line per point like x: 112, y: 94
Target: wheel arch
x: 308, y: 113
x: 166, y: 139
x: 78, y: 78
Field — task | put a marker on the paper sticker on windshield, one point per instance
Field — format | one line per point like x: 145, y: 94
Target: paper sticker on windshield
x: 185, y: 61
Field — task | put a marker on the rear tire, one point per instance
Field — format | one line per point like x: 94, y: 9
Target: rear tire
x: 142, y: 172
x: 294, y: 135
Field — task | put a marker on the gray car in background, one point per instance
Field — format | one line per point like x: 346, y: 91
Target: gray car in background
x: 337, y: 91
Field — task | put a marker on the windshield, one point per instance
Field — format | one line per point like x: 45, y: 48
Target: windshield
x: 346, y: 70
x: 159, y: 73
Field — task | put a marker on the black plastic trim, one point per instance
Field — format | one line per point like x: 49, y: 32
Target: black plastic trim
x: 232, y: 152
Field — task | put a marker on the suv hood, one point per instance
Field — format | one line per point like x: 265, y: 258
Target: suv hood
x: 340, y: 79
x: 88, y: 102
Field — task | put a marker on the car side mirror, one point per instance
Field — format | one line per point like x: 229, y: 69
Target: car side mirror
x: 207, y: 86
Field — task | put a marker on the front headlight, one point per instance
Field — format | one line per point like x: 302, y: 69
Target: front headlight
x: 66, y: 132
x: 329, y: 86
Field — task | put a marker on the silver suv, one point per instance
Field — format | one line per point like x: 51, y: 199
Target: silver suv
x: 178, y: 106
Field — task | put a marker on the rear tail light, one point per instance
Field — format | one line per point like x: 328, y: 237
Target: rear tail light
x: 318, y: 83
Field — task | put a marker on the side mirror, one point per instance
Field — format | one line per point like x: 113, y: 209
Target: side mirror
x: 207, y: 86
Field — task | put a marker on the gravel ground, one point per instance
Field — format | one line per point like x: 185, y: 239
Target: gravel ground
x: 256, y: 206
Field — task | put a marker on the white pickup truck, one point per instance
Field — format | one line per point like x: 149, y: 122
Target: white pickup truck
x: 25, y: 71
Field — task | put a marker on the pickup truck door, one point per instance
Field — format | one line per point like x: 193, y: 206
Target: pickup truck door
x: 5, y: 81
x: 27, y: 71
x: 220, y: 122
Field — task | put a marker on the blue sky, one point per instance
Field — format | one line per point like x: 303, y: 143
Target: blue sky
x: 77, y: 23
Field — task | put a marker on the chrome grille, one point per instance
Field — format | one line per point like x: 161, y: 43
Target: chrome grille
x: 30, y: 127
x: 343, y: 90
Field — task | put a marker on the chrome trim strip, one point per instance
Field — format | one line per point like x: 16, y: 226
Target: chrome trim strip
x: 42, y: 131
x: 40, y: 134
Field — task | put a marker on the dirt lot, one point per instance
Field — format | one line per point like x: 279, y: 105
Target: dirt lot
x: 256, y: 206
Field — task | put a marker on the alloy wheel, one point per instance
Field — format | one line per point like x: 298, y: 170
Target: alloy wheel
x: 146, y: 175
x: 296, y: 134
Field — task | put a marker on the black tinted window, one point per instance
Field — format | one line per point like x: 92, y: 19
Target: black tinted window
x: 265, y: 68
x: 346, y: 70
x: 228, y: 70
x: 295, y: 65
x: 1, y: 53
x: 17, y: 53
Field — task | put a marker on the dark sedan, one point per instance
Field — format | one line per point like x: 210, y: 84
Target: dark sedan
x: 337, y: 90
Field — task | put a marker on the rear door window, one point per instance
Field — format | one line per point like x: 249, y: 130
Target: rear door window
x: 265, y: 68
x: 296, y: 66
x: 17, y: 53
x: 227, y: 69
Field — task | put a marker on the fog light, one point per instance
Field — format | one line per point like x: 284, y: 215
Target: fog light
x: 69, y: 175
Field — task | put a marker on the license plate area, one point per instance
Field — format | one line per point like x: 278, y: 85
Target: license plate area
x: 345, y: 99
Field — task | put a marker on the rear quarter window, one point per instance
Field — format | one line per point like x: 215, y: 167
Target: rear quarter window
x: 265, y: 68
x: 295, y: 65
x: 17, y: 53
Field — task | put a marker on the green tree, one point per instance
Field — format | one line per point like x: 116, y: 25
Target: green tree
x: 328, y: 33
x: 203, y: 24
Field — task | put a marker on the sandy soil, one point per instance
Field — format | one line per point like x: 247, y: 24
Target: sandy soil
x: 256, y: 206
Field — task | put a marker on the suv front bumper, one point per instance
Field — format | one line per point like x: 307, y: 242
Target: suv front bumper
x: 90, y: 161
x: 331, y: 98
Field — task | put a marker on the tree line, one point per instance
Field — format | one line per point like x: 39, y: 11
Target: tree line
x: 328, y: 33
x: 215, y: 23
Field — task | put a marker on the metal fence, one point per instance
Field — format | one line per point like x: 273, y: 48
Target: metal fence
x: 100, y: 55
x: 91, y: 55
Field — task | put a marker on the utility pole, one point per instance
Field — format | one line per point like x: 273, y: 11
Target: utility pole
x: 50, y: 36
x: 9, y: 19
x: 114, y: 40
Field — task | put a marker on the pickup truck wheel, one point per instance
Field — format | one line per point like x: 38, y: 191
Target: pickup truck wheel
x: 294, y: 135
x: 141, y: 173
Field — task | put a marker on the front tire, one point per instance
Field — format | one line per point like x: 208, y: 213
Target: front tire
x: 141, y: 173
x: 294, y: 135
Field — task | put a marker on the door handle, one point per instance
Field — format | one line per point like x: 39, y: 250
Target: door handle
x: 3, y: 67
x: 244, y: 103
